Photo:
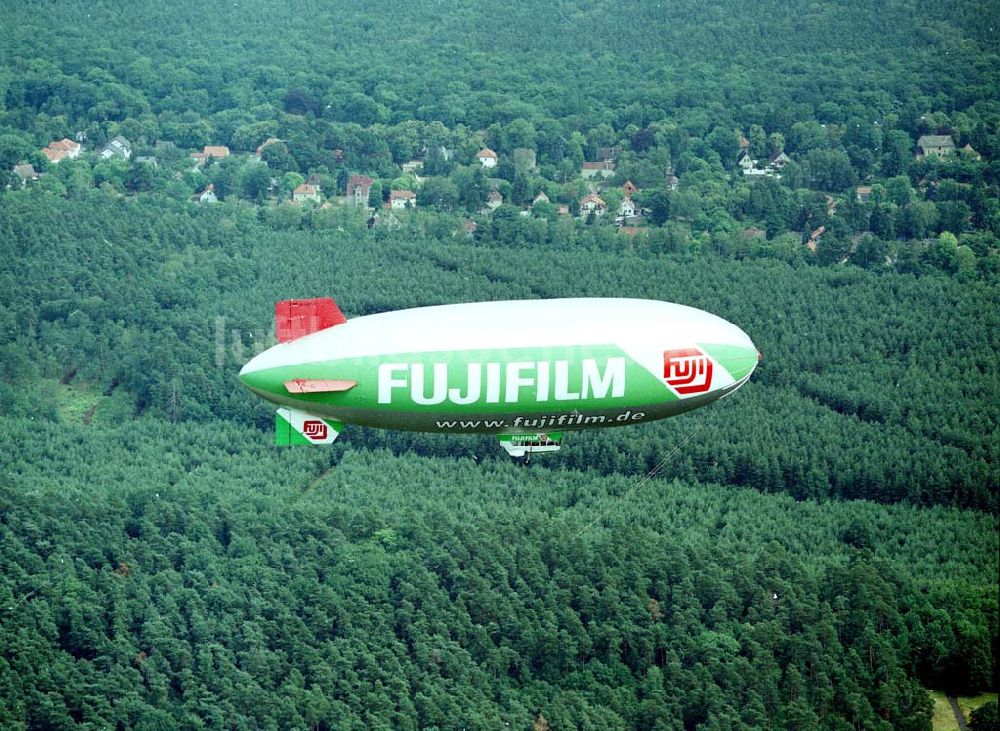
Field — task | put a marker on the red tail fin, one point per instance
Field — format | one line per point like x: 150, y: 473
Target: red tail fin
x: 295, y: 318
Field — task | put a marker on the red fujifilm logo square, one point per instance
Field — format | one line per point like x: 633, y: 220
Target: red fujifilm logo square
x: 687, y: 370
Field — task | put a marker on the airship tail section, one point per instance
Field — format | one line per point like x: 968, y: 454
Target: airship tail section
x: 292, y: 426
x: 524, y: 445
x: 294, y: 319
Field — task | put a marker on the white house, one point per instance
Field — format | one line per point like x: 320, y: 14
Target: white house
x: 402, y: 199
x: 487, y: 158
x: 779, y: 160
x: 628, y: 208
x: 592, y: 203
x: 205, y: 196
x: 306, y: 192
x: 117, y: 147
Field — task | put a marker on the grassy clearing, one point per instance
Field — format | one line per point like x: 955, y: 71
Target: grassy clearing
x: 970, y: 703
x: 75, y: 401
x: 944, y: 717
x: 78, y: 403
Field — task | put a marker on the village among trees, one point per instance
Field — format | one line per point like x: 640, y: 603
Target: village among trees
x: 866, y: 174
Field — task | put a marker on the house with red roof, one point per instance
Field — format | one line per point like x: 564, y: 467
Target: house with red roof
x: 359, y: 187
x: 210, y: 152
x: 62, y: 149
x: 592, y: 203
x: 487, y: 158
x: 306, y: 192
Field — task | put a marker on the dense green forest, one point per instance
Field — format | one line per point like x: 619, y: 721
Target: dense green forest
x: 876, y: 386
x: 821, y: 550
x: 223, y: 583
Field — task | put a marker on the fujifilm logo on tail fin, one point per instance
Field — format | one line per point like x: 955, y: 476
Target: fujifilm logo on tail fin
x: 292, y: 426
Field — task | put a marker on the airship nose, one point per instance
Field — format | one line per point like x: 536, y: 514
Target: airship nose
x: 743, y: 358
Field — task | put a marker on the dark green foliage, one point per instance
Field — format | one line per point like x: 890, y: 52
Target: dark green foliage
x: 221, y: 579
x: 170, y: 569
x: 876, y: 386
x: 985, y: 718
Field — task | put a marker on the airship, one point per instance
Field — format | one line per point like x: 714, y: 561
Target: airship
x: 526, y: 371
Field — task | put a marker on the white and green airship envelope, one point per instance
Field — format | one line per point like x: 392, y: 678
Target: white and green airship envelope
x: 526, y: 371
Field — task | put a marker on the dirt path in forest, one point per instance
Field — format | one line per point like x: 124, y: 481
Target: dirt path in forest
x: 959, y: 716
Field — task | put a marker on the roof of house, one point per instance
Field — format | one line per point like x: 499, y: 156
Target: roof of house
x: 401, y: 194
x: 359, y: 184
x: 120, y: 140
x: 54, y: 155
x: 25, y: 171
x: 216, y: 151
x: 486, y: 152
x: 592, y: 198
x: 495, y: 196
x: 629, y: 188
x: 540, y: 198
x: 306, y: 189
x: 64, y: 144
x: 926, y: 141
